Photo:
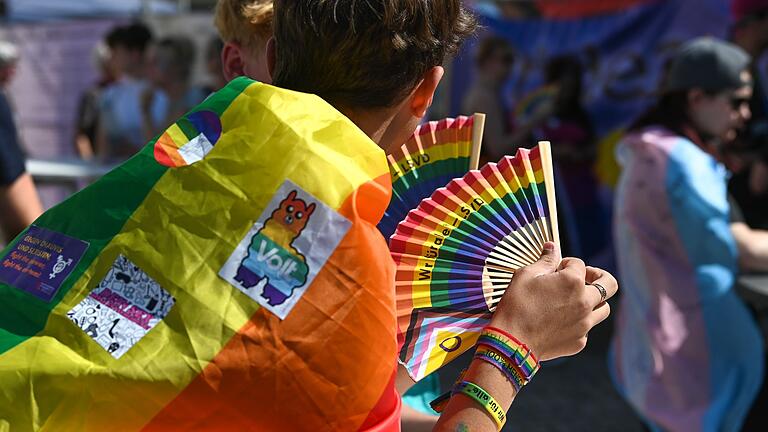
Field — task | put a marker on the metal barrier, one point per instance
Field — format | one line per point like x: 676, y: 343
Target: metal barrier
x: 72, y: 174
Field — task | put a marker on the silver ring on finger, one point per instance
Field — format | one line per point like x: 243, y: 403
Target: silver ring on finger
x: 603, y: 292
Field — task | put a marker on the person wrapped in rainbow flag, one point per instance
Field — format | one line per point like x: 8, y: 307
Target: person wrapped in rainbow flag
x: 230, y: 275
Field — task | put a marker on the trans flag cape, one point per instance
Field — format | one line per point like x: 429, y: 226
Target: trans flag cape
x: 686, y: 354
x: 229, y: 276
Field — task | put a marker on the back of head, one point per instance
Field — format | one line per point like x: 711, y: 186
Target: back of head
x: 133, y: 37
x: 175, y: 55
x: 562, y: 67
x: 364, y: 54
x: 247, y: 22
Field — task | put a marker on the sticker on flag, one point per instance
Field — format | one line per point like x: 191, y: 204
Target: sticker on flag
x: 285, y: 249
x: 41, y: 261
x: 123, y: 308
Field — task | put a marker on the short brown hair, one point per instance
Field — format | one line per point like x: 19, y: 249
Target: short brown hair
x: 364, y: 54
x: 247, y: 22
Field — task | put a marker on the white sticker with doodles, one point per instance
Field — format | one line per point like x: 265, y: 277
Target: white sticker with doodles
x: 125, y: 306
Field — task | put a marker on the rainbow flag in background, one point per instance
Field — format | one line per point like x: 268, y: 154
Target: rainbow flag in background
x: 221, y: 279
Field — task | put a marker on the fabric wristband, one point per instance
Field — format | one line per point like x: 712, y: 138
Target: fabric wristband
x: 500, y: 362
x: 520, y: 358
x: 501, y: 332
x: 507, y: 344
x: 484, y: 399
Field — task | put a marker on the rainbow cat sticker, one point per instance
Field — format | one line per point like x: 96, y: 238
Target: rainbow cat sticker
x: 285, y: 249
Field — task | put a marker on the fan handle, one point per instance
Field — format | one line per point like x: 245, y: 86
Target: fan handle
x: 478, y: 126
x: 545, y: 150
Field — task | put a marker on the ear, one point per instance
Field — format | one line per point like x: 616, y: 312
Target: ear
x: 695, y: 96
x: 421, y: 98
x: 291, y: 196
x: 232, y: 60
x: 271, y: 59
x: 310, y: 209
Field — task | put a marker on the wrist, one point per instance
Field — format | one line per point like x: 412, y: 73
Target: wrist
x: 519, y: 331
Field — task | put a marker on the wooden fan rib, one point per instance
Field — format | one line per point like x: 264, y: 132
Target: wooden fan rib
x: 515, y: 242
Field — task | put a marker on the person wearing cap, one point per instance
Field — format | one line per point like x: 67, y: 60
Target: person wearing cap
x: 686, y: 352
x: 749, y: 153
x: 19, y: 202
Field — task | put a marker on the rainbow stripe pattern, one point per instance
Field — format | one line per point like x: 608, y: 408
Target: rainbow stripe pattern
x: 436, y: 153
x: 458, y: 251
x: 113, y: 315
x: 188, y: 140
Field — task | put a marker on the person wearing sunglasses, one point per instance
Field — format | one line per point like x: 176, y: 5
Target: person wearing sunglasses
x: 748, y: 154
x: 686, y: 352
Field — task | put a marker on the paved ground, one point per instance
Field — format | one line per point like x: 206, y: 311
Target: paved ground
x: 574, y: 395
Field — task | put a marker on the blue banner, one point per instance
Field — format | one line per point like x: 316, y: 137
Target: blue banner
x: 622, y: 53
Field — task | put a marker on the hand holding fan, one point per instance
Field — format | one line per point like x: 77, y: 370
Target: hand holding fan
x: 458, y: 251
x: 436, y: 153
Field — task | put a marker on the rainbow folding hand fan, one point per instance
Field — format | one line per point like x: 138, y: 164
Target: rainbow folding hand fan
x: 436, y: 153
x: 457, y: 252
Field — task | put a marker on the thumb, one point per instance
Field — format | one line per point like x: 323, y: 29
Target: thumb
x: 549, y: 260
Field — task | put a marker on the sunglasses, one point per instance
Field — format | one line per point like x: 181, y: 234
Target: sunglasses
x: 739, y: 101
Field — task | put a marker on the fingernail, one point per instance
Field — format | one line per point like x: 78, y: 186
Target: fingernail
x: 549, y: 247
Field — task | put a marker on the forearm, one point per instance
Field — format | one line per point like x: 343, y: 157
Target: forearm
x: 84, y: 146
x: 464, y: 414
x: 753, y: 247
x: 19, y: 206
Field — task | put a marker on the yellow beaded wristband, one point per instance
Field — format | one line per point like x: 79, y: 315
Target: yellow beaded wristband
x: 482, y: 397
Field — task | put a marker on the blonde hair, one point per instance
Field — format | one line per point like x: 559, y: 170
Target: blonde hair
x: 248, y: 22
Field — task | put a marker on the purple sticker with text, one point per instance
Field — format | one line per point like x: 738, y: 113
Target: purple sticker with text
x: 41, y: 261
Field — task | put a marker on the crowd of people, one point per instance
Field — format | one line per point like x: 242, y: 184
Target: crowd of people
x: 143, y: 87
x: 687, y: 353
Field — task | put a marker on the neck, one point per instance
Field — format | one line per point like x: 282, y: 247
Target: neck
x: 373, y: 123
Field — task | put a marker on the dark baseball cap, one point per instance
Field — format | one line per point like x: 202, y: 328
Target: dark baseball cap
x: 709, y: 64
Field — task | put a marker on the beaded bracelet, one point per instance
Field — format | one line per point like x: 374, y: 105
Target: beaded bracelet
x: 482, y: 397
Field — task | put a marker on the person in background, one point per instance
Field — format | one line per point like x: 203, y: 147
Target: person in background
x: 749, y: 152
x: 493, y: 61
x: 686, y: 352
x: 555, y: 113
x: 213, y: 65
x: 570, y: 130
x: 19, y: 202
x: 170, y: 93
x: 88, y: 110
x: 245, y: 26
x: 120, y: 128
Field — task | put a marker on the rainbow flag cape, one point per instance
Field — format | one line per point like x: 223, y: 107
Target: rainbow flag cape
x: 220, y: 279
